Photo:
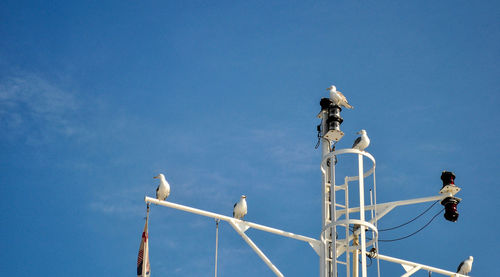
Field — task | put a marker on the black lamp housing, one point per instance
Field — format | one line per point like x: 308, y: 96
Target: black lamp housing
x: 448, y: 178
x: 450, y: 208
x: 333, y: 120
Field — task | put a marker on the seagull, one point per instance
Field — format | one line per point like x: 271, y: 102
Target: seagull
x: 338, y: 98
x: 240, y: 208
x: 466, y: 266
x: 163, y: 190
x: 362, y: 142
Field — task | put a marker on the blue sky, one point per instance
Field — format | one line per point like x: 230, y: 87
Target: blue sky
x: 97, y: 97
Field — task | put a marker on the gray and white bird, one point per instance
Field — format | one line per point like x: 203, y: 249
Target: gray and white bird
x: 240, y: 208
x: 361, y: 142
x: 163, y: 190
x: 338, y: 98
x: 466, y: 266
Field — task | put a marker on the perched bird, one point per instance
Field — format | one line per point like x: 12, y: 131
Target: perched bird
x: 338, y: 98
x: 362, y: 142
x: 240, y: 208
x: 163, y: 190
x: 466, y: 266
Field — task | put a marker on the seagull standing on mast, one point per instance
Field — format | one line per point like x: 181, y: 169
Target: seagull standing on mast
x: 466, y: 266
x: 240, y: 208
x: 338, y: 98
x: 361, y: 142
x: 163, y: 190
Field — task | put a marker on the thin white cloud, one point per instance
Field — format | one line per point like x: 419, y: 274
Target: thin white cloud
x: 447, y: 147
x: 285, y: 150
x: 122, y: 202
x: 35, y: 109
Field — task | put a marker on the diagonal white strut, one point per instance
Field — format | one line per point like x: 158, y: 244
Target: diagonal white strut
x: 255, y: 248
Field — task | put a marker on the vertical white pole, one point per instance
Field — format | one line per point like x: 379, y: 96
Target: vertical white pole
x: 372, y: 211
x: 376, y: 215
x: 362, y: 214
x: 325, y: 149
x: 355, y: 263
x: 347, y: 252
x: 216, y: 243
x: 333, y: 215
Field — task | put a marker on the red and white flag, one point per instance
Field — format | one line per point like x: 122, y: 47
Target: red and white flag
x: 143, y: 269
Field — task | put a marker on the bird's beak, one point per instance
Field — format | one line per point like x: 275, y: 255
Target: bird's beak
x: 329, y: 88
x: 156, y: 177
x: 359, y: 133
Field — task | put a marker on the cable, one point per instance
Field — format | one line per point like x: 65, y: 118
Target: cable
x: 318, y: 128
x: 392, y: 228
x: 427, y: 224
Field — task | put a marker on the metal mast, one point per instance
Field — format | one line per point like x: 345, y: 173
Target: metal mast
x: 336, y: 234
x: 326, y: 236
x: 342, y: 243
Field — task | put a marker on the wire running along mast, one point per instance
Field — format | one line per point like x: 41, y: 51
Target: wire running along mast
x: 329, y: 247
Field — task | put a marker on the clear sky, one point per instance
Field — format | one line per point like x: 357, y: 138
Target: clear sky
x: 97, y: 97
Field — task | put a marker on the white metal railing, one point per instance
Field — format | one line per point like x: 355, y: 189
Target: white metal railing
x: 342, y: 246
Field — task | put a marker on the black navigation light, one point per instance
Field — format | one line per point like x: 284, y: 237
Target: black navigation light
x: 450, y: 208
x: 450, y: 203
x: 448, y: 178
x: 333, y: 120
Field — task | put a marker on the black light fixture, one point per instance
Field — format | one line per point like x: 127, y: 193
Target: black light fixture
x: 333, y: 120
x: 450, y: 208
x: 448, y: 178
x: 449, y: 203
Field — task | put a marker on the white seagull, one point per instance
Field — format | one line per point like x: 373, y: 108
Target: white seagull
x: 362, y: 142
x: 163, y: 190
x: 338, y: 98
x: 240, y: 208
x: 466, y: 266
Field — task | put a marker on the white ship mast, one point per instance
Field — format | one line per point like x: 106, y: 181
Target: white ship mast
x: 343, y: 246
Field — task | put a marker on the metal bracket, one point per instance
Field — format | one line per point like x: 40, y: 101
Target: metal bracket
x: 450, y: 189
x: 410, y: 270
x: 316, y: 246
x: 241, y: 225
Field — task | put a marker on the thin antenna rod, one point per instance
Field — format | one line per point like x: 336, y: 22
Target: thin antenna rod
x: 216, y: 243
